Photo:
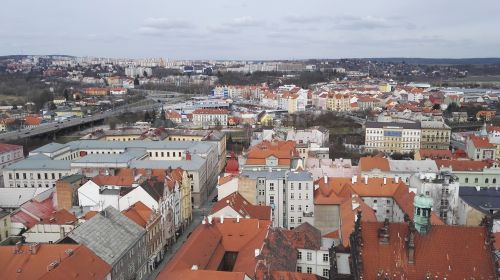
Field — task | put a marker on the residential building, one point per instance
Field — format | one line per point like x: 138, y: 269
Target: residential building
x: 134, y: 72
x: 379, y: 167
x: 96, y: 91
x: 210, y: 117
x: 127, y: 255
x: 338, y: 102
x: 392, y: 137
x: 435, y: 135
x: 50, y: 229
x: 472, y: 173
x: 443, y: 189
x: 4, y: 225
x: 32, y: 121
x: 480, y: 148
x: 320, y: 167
x: 51, y: 261
x: 236, y: 206
x: 173, y: 116
x: 433, y: 154
x: 151, y: 221
x: 299, y: 198
x: 10, y: 154
x: 475, y: 203
x: 270, y: 154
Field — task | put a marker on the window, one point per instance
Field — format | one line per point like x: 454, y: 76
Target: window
x: 326, y: 272
x: 24, y: 176
x: 388, y: 201
x: 300, y: 207
x: 309, y: 270
x: 292, y: 208
x: 299, y: 269
x: 271, y: 199
x: 300, y: 186
x: 291, y: 195
x: 486, y: 181
x: 325, y: 257
x: 10, y: 176
x: 467, y: 180
x: 494, y: 181
x: 300, y: 196
x: 476, y: 180
x: 309, y: 256
x: 271, y: 186
x: 292, y: 220
x: 299, y: 220
x: 299, y: 255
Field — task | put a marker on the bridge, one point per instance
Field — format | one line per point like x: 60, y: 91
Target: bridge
x: 53, y: 127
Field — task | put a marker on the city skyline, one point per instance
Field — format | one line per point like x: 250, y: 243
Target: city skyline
x: 247, y: 30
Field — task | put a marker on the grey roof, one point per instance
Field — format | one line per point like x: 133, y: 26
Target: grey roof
x: 434, y: 124
x: 49, y: 148
x: 273, y: 175
x: 194, y: 164
x: 482, y: 199
x: 299, y: 176
x: 192, y: 146
x: 15, y: 197
x: 413, y: 166
x: 40, y: 164
x: 72, y: 178
x: 108, y: 234
x: 393, y: 124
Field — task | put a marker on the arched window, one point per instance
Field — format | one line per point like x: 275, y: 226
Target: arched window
x: 486, y: 181
x: 476, y: 180
x: 467, y: 180
x: 494, y: 180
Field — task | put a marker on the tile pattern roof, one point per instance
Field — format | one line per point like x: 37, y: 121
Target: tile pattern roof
x: 370, y: 163
x: 217, y: 238
x: 283, y: 150
x: 451, y: 252
x: 464, y: 165
x: 481, y: 142
x: 75, y: 262
x: 108, y: 234
x: 139, y: 213
x: 8, y: 147
x: 435, y: 154
x: 243, y: 207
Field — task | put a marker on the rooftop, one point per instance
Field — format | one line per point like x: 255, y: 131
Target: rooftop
x: 244, y: 208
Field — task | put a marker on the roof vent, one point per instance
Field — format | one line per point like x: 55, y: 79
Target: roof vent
x: 52, y: 265
x: 69, y: 252
x: 221, y: 219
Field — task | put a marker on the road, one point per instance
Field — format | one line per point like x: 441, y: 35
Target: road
x: 54, y: 126
x: 198, y: 215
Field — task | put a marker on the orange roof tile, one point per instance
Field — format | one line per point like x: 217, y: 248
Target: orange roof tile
x: 75, y: 261
x: 139, y: 213
x: 370, y: 163
x: 117, y: 180
x: 243, y: 207
x: 283, y: 150
x: 463, y: 165
x: 451, y: 252
x: 435, y: 154
x: 32, y: 120
x: 481, y: 142
x: 211, y: 111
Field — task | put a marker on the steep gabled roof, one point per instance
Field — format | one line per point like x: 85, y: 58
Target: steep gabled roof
x: 243, y: 207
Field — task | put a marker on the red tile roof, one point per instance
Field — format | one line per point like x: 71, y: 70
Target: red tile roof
x: 481, y: 142
x: 117, y: 180
x: 139, y: 213
x: 75, y: 262
x: 370, y: 163
x: 435, y: 154
x: 32, y: 120
x: 216, y: 239
x: 451, y: 252
x: 4, y: 148
x: 34, y: 211
x: 463, y: 165
x: 232, y: 165
x: 283, y: 150
x: 244, y: 208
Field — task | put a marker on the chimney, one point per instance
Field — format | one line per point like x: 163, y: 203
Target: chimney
x: 257, y: 252
x: 221, y: 219
x: 52, y: 265
x: 325, y: 179
x: 366, y: 179
x: 69, y: 252
x: 385, y: 180
x: 410, y: 243
x: 210, y: 219
x: 34, y: 248
x: 17, y: 248
x: 383, y: 233
x: 188, y: 155
x: 237, y: 218
x: 396, y: 179
x: 354, y: 179
x: 204, y: 221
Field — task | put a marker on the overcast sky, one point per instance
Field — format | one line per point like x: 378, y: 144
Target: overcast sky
x: 253, y: 29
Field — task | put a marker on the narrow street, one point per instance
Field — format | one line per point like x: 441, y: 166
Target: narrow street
x: 197, y: 217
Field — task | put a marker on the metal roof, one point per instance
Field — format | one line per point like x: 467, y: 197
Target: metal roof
x: 109, y: 234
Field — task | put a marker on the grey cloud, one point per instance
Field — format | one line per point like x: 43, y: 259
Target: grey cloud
x: 237, y: 24
x: 158, y: 26
x: 369, y: 22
